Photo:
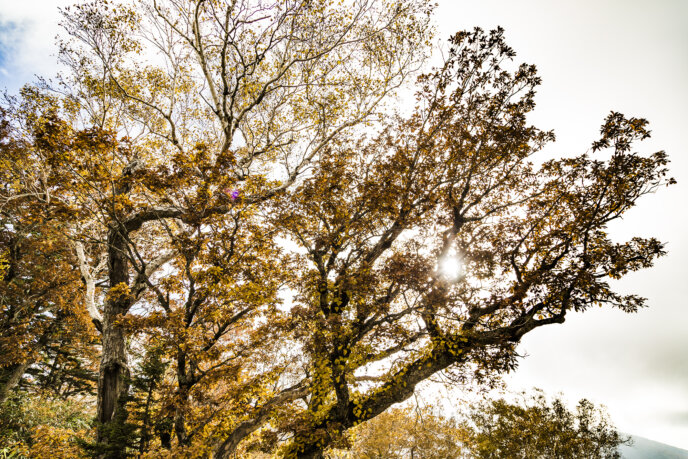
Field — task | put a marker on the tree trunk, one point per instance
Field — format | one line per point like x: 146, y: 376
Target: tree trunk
x: 180, y: 419
x: 114, y: 371
x: 182, y: 399
x: 113, y: 380
x: 15, y: 374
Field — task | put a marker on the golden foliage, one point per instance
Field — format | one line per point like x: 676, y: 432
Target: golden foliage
x: 258, y: 240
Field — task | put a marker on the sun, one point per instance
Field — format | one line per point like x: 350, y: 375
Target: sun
x: 451, y: 267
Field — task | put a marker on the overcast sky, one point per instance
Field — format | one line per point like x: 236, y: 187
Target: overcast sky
x: 594, y: 56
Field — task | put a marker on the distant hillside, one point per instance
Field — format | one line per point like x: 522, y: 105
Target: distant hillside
x: 647, y: 449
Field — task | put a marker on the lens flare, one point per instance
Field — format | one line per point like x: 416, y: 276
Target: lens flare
x: 451, y: 267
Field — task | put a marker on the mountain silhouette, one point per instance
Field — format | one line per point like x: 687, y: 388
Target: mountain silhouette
x: 643, y: 448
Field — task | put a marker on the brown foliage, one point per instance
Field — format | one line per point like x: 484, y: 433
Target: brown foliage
x: 264, y: 251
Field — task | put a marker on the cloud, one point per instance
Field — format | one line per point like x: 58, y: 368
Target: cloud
x: 27, y: 37
x: 12, y: 40
x: 10, y: 36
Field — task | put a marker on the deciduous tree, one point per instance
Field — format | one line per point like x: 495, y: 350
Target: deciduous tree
x: 538, y: 428
x: 176, y: 117
x: 244, y: 209
x: 529, y: 425
x: 436, y: 245
x: 400, y: 433
x: 40, y: 301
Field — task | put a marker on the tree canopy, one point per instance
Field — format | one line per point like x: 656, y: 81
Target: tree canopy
x: 538, y: 428
x: 410, y: 432
x: 529, y: 426
x: 264, y: 246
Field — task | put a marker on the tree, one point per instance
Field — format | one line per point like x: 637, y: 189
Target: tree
x: 530, y: 426
x: 380, y: 223
x: 418, y: 433
x: 39, y: 287
x: 534, y: 427
x: 244, y: 211
x: 242, y: 97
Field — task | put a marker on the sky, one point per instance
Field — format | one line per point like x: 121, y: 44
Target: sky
x: 594, y: 56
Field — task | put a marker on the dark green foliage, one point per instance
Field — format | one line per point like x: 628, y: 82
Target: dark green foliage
x: 120, y: 437
x: 138, y: 419
x: 63, y: 371
x: 147, y: 412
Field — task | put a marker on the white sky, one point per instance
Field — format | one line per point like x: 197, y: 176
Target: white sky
x: 594, y: 56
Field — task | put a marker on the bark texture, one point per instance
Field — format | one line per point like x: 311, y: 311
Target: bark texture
x: 113, y: 381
